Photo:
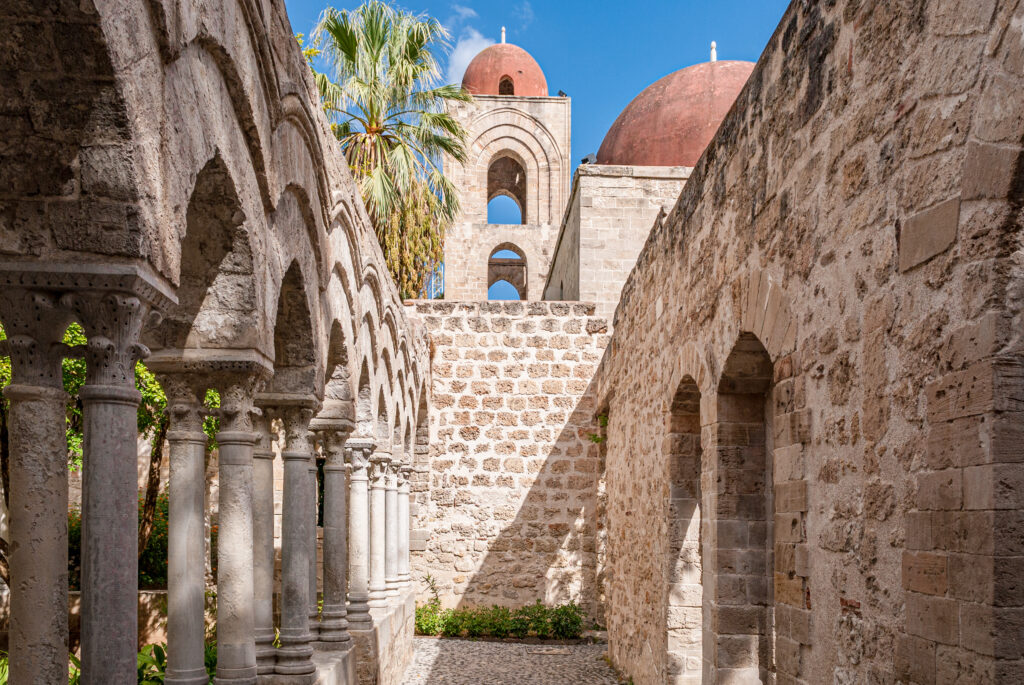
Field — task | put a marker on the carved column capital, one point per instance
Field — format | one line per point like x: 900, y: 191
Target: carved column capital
x: 237, y: 398
x: 404, y: 471
x: 357, y: 454
x: 379, y: 463
x: 113, y: 323
x: 34, y: 323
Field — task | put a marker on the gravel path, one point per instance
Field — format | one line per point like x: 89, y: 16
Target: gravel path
x: 470, y: 662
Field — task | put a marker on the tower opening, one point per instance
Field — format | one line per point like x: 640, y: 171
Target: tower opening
x: 506, y: 86
x: 506, y: 273
x: 506, y: 177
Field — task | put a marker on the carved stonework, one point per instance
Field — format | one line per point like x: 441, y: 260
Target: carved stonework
x: 113, y: 322
x: 236, y: 406
x: 357, y: 454
x: 184, y: 401
x: 35, y: 324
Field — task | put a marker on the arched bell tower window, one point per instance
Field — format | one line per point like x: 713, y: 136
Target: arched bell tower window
x: 506, y: 86
x: 506, y: 176
x: 506, y: 272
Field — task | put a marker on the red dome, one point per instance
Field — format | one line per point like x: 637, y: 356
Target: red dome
x: 673, y: 119
x: 502, y: 61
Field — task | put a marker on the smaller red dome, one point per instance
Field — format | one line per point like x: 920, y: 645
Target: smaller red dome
x: 509, y: 63
x: 673, y: 119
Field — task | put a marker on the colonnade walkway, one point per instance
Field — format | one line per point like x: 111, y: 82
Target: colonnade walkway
x: 441, y: 661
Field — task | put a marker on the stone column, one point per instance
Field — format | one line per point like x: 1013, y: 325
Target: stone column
x: 295, y: 654
x: 186, y: 548
x: 236, y: 643
x: 378, y: 498
x: 333, y: 619
x: 358, y: 453
x: 39, y: 487
x: 312, y: 511
x: 263, y: 544
x: 391, y: 529
x: 404, y: 577
x: 110, y: 577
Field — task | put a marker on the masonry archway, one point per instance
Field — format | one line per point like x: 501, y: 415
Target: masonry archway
x: 506, y: 175
x: 507, y: 263
x: 737, y: 545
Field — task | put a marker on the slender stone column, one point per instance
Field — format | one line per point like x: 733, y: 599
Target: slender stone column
x: 39, y: 488
x: 334, y: 617
x: 236, y: 643
x: 312, y: 510
x: 186, y: 625
x: 404, y: 577
x: 378, y: 526
x: 391, y: 529
x: 110, y: 581
x: 358, y: 453
x: 263, y: 544
x: 295, y: 655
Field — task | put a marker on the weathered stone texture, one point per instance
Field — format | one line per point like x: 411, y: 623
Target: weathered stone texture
x: 856, y: 217
x: 506, y: 502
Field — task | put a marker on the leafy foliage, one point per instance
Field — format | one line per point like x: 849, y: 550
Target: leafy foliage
x: 564, y: 622
x: 388, y: 109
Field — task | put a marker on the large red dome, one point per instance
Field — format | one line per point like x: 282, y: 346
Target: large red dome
x: 505, y: 62
x: 673, y: 119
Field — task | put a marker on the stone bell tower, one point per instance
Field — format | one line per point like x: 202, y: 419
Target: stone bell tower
x: 518, y: 146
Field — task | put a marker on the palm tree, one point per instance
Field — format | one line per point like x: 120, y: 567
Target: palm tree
x: 388, y: 108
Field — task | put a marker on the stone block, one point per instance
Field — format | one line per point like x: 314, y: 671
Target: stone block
x: 933, y: 618
x: 925, y: 572
x: 928, y: 233
x: 940, y: 490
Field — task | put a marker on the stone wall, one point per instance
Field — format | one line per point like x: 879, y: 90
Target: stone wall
x: 506, y: 498
x: 606, y: 223
x: 814, y: 382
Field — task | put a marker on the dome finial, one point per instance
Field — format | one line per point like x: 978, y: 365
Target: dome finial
x: 714, y: 50
x: 502, y: 34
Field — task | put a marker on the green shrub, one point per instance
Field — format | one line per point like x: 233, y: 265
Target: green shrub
x: 152, y: 664
x: 540, y: 624
x: 500, y: 621
x: 566, y: 621
x: 521, y: 622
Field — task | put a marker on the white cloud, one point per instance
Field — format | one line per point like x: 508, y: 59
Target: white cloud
x: 469, y: 44
x: 462, y: 13
x: 525, y: 14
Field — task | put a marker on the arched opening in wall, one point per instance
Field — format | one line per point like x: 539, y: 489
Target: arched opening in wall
x: 506, y: 177
x: 684, y: 582
x: 506, y: 86
x: 383, y: 433
x: 294, y: 356
x: 506, y: 273
x: 216, y: 291
x: 364, y: 403
x: 737, y: 544
x: 504, y: 210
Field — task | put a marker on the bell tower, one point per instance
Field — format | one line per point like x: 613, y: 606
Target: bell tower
x: 518, y: 146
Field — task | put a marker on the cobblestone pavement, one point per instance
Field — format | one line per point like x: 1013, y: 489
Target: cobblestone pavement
x: 470, y: 662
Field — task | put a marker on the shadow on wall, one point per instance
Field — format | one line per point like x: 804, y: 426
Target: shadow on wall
x: 548, y: 548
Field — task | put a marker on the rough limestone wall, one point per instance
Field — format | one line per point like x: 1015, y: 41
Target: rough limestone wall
x: 859, y: 214
x: 506, y: 512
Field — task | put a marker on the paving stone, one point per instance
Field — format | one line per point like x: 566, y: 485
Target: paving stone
x: 473, y: 662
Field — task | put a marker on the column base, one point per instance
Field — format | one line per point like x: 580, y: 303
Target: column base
x: 235, y: 676
x: 294, y: 657
x: 193, y: 676
x: 333, y: 625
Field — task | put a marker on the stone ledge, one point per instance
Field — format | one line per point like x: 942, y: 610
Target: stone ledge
x: 503, y: 308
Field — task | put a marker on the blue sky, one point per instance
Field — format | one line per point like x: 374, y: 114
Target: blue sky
x: 601, y: 53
